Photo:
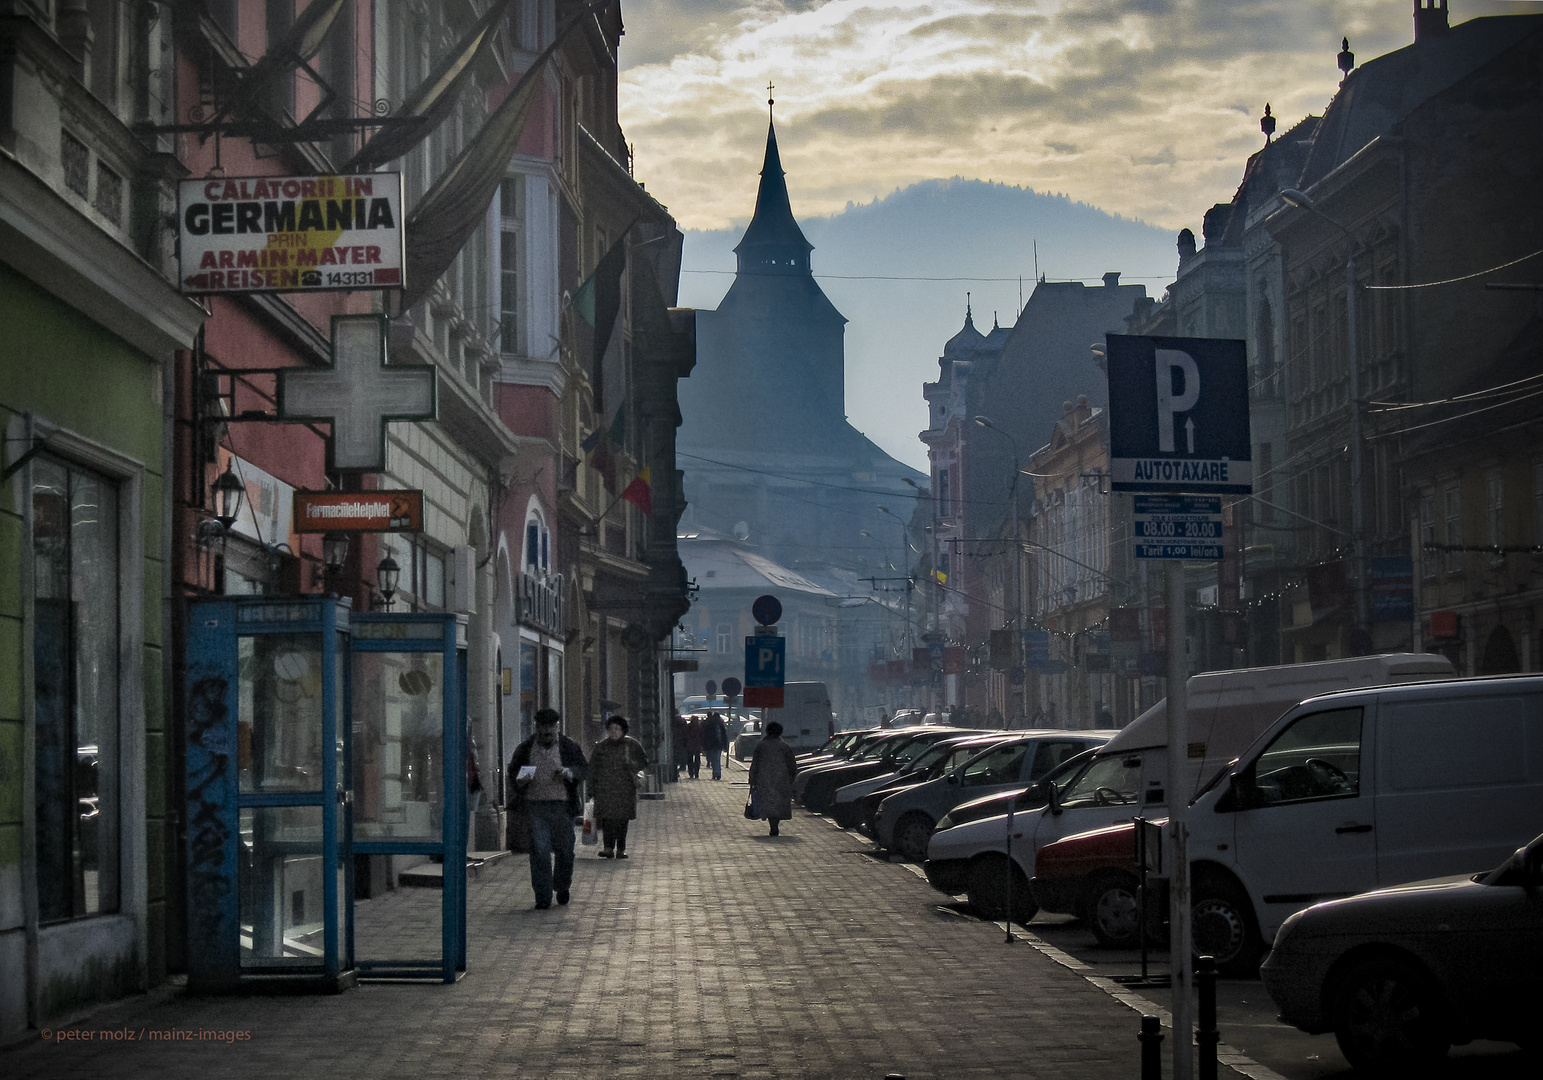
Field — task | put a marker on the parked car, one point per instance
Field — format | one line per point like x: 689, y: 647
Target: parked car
x: 1020, y: 799
x: 1095, y: 876
x: 871, y: 748
x: 747, y: 740
x: 904, y: 821
x: 1360, y: 789
x: 818, y: 791
x: 1128, y: 776
x: 949, y: 755
x: 856, y: 802
x: 1402, y: 973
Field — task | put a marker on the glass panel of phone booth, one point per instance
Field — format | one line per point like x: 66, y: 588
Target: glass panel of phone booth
x: 266, y: 801
x: 407, y: 703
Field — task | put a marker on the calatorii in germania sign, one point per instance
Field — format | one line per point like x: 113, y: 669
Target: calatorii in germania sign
x: 250, y: 234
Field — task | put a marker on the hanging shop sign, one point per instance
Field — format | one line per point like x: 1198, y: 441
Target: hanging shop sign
x: 253, y: 234
x: 358, y: 511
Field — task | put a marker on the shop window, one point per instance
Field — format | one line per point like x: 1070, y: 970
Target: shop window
x: 75, y: 663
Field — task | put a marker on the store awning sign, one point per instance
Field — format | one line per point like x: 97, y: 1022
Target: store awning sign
x: 255, y: 234
x: 358, y: 511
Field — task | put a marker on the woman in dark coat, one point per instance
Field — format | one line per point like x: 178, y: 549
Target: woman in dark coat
x: 772, y: 768
x: 693, y: 747
x: 614, y: 765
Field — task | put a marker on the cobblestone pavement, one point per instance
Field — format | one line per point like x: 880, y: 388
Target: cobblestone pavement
x: 715, y: 951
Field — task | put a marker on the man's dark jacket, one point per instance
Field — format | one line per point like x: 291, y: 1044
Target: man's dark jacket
x: 572, y: 758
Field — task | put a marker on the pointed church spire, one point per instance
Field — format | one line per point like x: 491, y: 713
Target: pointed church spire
x: 773, y: 242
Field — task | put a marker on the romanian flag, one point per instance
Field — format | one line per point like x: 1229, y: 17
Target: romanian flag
x: 639, y: 493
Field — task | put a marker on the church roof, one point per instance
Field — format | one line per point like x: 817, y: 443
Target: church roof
x: 773, y: 224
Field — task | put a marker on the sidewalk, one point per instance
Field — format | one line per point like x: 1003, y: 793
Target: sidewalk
x: 715, y: 951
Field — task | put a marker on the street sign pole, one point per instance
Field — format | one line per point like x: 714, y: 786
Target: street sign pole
x: 1179, y: 436
x: 1178, y: 840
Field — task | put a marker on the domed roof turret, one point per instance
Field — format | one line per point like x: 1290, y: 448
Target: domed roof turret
x: 964, y: 344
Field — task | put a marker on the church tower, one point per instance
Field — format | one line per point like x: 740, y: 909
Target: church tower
x: 774, y: 349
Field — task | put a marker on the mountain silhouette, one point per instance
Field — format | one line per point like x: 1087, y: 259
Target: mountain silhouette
x: 937, y: 229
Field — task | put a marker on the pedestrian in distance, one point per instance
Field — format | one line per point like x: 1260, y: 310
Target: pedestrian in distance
x: 614, y: 767
x: 772, y: 768
x: 693, y: 747
x: 678, y: 742
x: 717, y: 742
x: 548, y: 771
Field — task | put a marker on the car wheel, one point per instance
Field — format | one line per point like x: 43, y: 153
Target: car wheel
x: 986, y: 886
x: 1387, y: 1017
x: 911, y: 835
x: 1222, y: 927
x: 1111, y: 910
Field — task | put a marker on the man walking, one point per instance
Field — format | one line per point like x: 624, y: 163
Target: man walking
x: 716, y: 741
x: 548, y: 771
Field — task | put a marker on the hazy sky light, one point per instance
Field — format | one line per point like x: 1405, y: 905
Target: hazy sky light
x: 1145, y: 108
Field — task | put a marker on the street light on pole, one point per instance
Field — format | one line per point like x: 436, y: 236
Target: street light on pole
x: 1017, y: 609
x: 1302, y: 201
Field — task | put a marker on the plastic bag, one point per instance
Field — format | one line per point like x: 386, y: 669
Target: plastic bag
x: 751, y: 812
x: 591, y: 834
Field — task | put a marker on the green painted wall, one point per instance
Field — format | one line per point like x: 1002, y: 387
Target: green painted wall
x: 72, y: 372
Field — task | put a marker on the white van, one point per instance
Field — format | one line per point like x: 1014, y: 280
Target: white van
x: 1360, y: 790
x: 805, y: 715
x: 1226, y: 712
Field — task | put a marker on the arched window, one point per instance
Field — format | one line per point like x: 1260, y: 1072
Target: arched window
x: 538, y: 544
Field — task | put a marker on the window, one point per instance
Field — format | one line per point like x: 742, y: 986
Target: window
x: 1454, y: 523
x: 1002, y: 765
x: 1494, y: 511
x: 1317, y: 757
x: 1537, y: 502
x: 77, y: 164
x: 75, y: 664
x: 1110, y: 781
x: 1427, y: 534
x: 422, y: 581
x: 725, y: 637
x: 538, y: 546
x: 510, y: 248
x: 945, y: 507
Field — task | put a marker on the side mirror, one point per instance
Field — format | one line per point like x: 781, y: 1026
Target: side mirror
x: 1241, y: 794
x: 1052, y: 796
x: 953, y: 778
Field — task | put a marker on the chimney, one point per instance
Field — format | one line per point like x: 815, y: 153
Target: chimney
x: 1111, y: 279
x: 1430, y: 19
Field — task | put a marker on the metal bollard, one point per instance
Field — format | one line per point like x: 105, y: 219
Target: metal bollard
x: 1151, y: 1039
x: 1206, y: 1034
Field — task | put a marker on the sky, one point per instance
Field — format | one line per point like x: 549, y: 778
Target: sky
x: 1145, y: 109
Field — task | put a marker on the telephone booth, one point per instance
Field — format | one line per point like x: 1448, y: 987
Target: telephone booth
x: 408, y: 775
x: 314, y: 736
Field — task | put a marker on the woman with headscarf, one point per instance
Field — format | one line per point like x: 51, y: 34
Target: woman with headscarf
x: 614, y: 765
x: 772, y: 768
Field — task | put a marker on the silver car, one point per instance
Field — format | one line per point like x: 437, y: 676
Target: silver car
x: 904, y: 821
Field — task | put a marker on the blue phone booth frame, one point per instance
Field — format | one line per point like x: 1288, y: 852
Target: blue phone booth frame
x: 424, y: 634
x: 266, y: 802
x: 270, y: 798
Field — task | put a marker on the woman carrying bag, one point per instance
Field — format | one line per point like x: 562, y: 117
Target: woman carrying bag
x: 614, y: 766
x: 772, y: 768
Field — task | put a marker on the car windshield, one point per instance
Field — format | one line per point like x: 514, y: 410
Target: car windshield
x: 1110, y: 781
x: 876, y: 749
x: 1000, y: 765
x: 931, y: 756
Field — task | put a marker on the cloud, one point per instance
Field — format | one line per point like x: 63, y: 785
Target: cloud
x: 1144, y: 107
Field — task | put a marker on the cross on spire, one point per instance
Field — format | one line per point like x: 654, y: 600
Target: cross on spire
x: 770, y: 101
x: 359, y: 394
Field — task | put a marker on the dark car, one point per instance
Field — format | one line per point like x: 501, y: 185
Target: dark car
x: 818, y: 792
x: 857, y: 803
x: 1400, y: 974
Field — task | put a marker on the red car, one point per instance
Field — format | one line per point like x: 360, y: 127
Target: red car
x: 1094, y: 875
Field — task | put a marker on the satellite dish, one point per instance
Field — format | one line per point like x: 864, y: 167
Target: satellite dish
x: 741, y: 530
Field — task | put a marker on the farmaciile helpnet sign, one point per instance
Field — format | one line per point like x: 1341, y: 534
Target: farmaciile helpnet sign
x: 249, y: 234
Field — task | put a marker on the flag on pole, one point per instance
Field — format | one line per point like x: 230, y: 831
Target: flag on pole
x: 640, y: 493
x: 597, y: 303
